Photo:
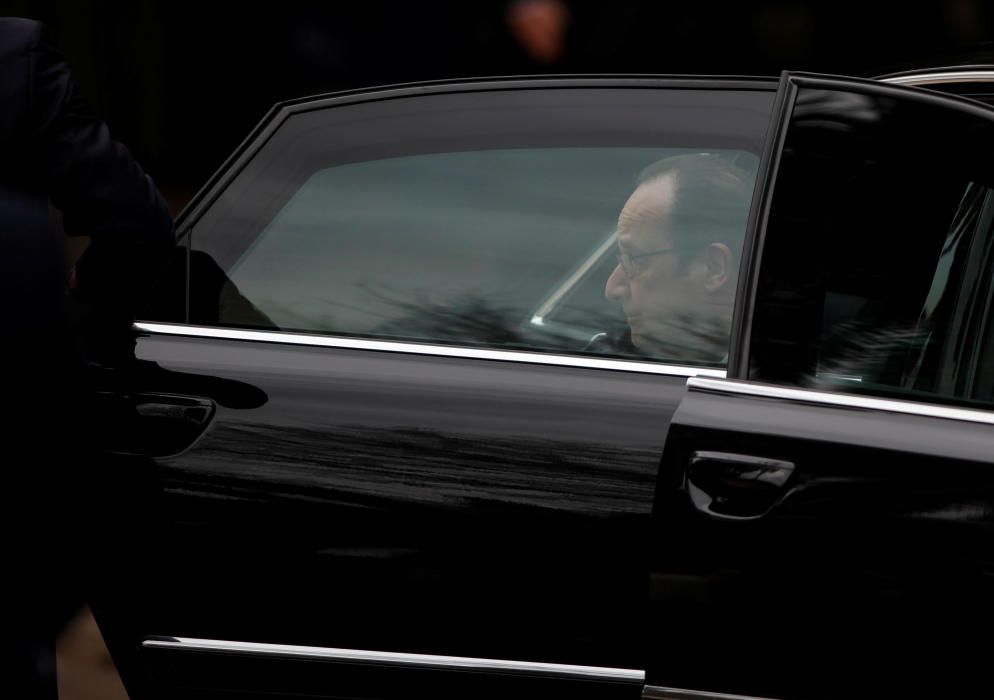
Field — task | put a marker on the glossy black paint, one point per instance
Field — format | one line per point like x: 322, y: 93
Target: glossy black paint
x: 472, y: 507
x: 869, y: 572
x: 404, y: 503
x: 871, y: 576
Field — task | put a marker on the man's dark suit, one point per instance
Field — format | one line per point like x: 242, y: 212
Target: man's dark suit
x: 53, y: 148
x: 55, y: 155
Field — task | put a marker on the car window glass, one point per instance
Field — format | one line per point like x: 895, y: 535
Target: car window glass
x: 514, y: 247
x: 877, y: 267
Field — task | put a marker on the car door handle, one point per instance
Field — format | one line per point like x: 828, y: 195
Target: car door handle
x: 150, y: 424
x: 731, y: 486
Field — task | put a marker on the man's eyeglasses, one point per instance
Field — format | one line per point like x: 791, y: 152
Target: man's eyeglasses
x: 631, y: 267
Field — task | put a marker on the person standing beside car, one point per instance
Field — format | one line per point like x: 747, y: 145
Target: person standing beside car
x: 57, y: 156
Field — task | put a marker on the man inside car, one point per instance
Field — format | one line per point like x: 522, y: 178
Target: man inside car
x: 679, y: 239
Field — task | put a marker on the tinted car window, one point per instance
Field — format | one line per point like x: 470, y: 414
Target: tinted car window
x: 876, y: 275
x: 486, y: 228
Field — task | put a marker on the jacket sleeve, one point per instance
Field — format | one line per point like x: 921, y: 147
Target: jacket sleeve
x: 99, y: 188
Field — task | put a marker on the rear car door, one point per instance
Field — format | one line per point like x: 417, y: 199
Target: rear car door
x: 379, y: 472
x: 824, y: 517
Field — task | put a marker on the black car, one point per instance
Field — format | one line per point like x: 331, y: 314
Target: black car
x: 404, y: 446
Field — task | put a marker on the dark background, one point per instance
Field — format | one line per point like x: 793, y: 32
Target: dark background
x: 182, y: 82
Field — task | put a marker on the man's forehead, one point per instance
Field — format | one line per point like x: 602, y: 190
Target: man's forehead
x: 635, y: 241
x: 650, y: 203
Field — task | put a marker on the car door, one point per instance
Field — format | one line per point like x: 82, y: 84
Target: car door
x: 374, y: 475
x: 824, y: 516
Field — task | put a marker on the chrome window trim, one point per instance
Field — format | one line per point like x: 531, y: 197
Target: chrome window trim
x: 655, y: 692
x: 769, y: 391
x: 964, y: 76
x: 463, y: 663
x: 426, y: 349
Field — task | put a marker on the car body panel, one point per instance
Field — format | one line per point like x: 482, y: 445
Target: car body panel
x: 382, y: 503
x: 364, y: 517
x: 833, y: 541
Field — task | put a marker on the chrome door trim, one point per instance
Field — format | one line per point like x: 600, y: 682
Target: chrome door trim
x: 951, y: 76
x: 462, y: 663
x: 655, y: 692
x: 175, y: 329
x: 807, y: 396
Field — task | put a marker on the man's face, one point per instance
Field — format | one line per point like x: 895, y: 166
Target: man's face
x: 666, y: 295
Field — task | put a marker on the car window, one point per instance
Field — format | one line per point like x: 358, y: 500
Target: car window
x: 507, y: 247
x: 876, y: 275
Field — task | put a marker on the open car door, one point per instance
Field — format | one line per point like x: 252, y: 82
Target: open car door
x: 824, y: 516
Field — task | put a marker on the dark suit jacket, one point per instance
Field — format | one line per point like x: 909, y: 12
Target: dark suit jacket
x: 55, y: 153
x: 53, y: 149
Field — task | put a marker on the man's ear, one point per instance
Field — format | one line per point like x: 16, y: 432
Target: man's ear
x: 718, y: 258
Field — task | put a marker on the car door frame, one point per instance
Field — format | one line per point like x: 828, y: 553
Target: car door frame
x: 124, y: 646
x: 703, y: 407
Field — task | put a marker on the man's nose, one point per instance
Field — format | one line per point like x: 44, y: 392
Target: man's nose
x: 616, y: 287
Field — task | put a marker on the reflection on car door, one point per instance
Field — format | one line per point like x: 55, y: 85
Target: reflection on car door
x: 375, y: 516
x: 824, y: 515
